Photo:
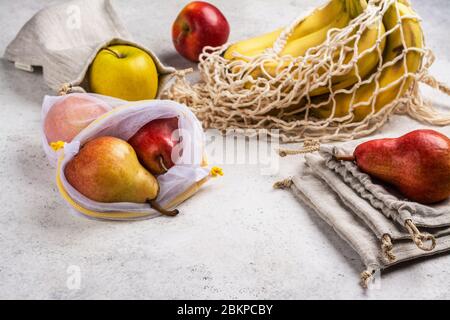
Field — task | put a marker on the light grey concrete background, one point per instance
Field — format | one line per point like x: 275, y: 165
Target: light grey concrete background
x: 237, y: 238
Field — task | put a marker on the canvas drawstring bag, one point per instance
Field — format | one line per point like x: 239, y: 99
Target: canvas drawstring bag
x: 65, y: 38
x: 178, y: 184
x: 356, y: 221
x: 410, y: 216
x: 407, y: 214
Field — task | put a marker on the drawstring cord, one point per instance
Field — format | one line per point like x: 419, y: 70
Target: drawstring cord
x: 419, y: 238
x: 283, y: 184
x: 68, y: 88
x: 387, y: 247
x: 308, y: 147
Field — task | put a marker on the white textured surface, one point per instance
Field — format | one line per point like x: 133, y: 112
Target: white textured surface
x: 237, y: 238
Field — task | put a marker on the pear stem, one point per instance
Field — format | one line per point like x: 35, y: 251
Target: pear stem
x: 157, y: 207
x: 345, y: 158
x: 161, y: 162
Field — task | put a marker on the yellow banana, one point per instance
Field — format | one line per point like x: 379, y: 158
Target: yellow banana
x: 319, y: 18
x: 355, y: 7
x: 405, y: 2
x: 411, y: 31
x: 253, y: 46
x: 314, y: 22
x: 366, y: 63
x: 298, y: 48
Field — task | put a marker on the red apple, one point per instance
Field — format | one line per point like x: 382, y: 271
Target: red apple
x: 198, y: 25
x: 153, y: 144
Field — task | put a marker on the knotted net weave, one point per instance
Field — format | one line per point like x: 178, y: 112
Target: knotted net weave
x: 229, y: 96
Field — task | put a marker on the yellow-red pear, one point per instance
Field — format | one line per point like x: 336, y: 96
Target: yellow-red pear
x: 107, y: 169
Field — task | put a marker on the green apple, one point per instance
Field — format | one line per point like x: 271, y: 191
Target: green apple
x: 124, y: 72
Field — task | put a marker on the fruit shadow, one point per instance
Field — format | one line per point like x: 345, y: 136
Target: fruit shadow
x: 341, y: 247
x: 351, y: 256
x: 28, y: 85
x: 173, y: 59
x: 36, y: 177
x: 441, y: 105
x: 406, y: 264
x: 48, y: 209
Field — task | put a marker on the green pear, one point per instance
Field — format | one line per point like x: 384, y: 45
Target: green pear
x: 106, y: 169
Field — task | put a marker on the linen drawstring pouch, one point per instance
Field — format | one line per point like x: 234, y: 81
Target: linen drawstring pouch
x: 65, y: 38
x: 328, y: 187
x: 410, y: 216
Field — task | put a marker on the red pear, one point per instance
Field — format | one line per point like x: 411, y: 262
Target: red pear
x: 154, y: 143
x: 417, y: 164
x: 107, y: 170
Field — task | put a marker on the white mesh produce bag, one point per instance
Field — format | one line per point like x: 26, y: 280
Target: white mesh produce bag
x: 65, y: 38
x: 49, y: 102
x: 179, y: 183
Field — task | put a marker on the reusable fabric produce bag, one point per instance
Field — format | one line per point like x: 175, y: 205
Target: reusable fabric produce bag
x: 407, y: 214
x: 375, y: 221
x: 49, y: 146
x: 65, y: 38
x: 178, y: 184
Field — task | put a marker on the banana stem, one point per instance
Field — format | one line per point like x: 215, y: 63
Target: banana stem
x: 170, y: 213
x: 345, y: 158
x: 355, y: 7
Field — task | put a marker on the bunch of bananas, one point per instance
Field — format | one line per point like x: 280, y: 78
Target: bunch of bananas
x: 310, y: 32
x: 388, y: 53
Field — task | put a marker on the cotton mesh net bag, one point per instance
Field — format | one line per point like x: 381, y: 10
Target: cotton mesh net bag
x: 343, y: 88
